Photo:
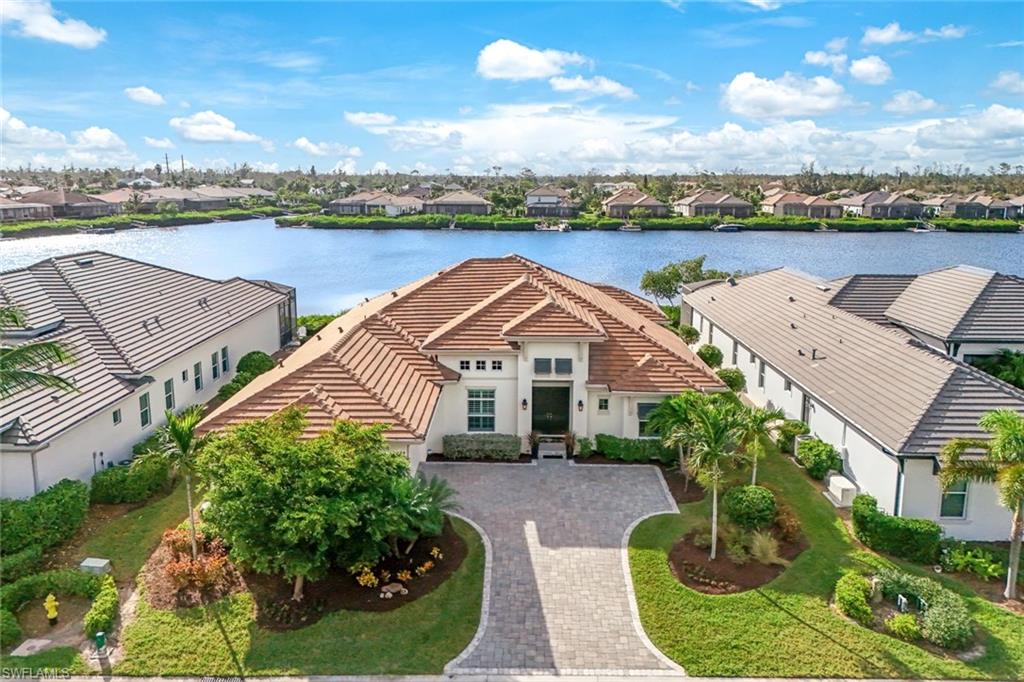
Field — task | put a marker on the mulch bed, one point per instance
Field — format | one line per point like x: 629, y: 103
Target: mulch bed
x: 681, y: 492
x: 523, y: 459
x: 162, y: 593
x: 691, y: 566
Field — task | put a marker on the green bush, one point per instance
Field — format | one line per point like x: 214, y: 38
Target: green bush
x: 313, y: 323
x: 962, y: 558
x: 852, y: 593
x: 46, y: 519
x: 903, y: 626
x: 36, y: 586
x: 818, y: 457
x: 481, y: 446
x: 734, y: 378
x: 19, y: 564
x: 946, y: 621
x: 750, y: 507
x: 634, y: 449
x: 149, y: 444
x: 136, y: 483
x: 10, y: 629
x: 235, y: 385
x: 100, y: 616
x: 585, y: 448
x: 255, y: 362
x: 788, y: 431
x: 688, y: 333
x: 711, y: 355
x: 907, y: 538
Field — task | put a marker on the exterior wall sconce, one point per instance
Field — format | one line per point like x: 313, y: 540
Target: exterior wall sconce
x: 579, y: 406
x: 525, y: 404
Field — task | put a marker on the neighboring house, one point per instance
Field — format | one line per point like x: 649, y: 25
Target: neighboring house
x: 123, y: 197
x: 994, y: 208
x: 707, y: 202
x: 963, y: 311
x: 141, y: 182
x: 488, y: 345
x: 421, y: 191
x: 11, y: 210
x: 458, y: 202
x: 354, y: 204
x: 550, y: 201
x: 620, y: 204
x: 881, y: 205
x: 887, y: 402
x: 972, y: 206
x: 188, y: 200
x: 257, y: 192
x: 800, y: 204
x: 232, y: 195
x: 68, y: 204
x: 145, y: 339
x: 391, y: 205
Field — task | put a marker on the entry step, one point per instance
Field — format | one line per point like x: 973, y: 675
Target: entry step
x: 551, y: 451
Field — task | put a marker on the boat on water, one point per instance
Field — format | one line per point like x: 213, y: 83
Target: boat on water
x: 88, y: 229
x: 727, y: 227
x: 630, y: 227
x: 545, y: 226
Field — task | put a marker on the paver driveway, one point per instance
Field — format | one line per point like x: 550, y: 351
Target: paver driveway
x: 558, y: 597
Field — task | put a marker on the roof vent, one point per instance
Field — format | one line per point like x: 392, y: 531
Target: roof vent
x: 84, y: 262
x: 731, y: 281
x: 800, y: 352
x: 792, y: 299
x: 792, y: 325
x: 824, y: 287
x: 394, y: 294
x: 814, y: 354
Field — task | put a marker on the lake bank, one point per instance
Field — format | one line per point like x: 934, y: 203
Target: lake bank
x: 130, y: 221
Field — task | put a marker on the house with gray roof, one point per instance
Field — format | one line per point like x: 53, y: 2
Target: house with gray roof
x: 881, y: 205
x: 838, y: 358
x: 145, y: 339
x: 709, y: 202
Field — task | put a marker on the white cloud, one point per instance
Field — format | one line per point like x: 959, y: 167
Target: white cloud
x: 93, y: 147
x: 265, y: 166
x: 766, y: 5
x: 836, y: 62
x: 380, y: 168
x: 144, y: 95
x: 1009, y: 43
x: 691, y: 86
x: 508, y: 60
x: 836, y: 45
x: 910, y: 102
x: 38, y: 19
x: 789, y: 96
x: 296, y: 61
x: 16, y: 133
x: 345, y: 166
x: 998, y: 126
x: 209, y: 126
x: 886, y: 35
x: 872, y: 70
x: 1011, y: 82
x: 158, y: 142
x: 949, y: 31
x: 325, y: 148
x: 596, y: 86
x: 366, y: 118
x: 465, y: 110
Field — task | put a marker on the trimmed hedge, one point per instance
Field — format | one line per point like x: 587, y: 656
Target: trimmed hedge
x: 125, y: 220
x: 45, y: 519
x: 634, y: 449
x: 818, y: 457
x: 140, y: 481
x: 946, y: 621
x: 852, y: 593
x: 37, y: 586
x: 235, y: 385
x: 917, y: 540
x: 750, y: 507
x: 481, y: 446
x: 100, y: 616
x: 788, y: 431
x: 733, y: 378
x: 711, y: 355
x: 19, y: 564
x: 255, y: 362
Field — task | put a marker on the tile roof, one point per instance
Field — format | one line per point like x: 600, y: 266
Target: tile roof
x: 631, y: 197
x: 548, y: 191
x: 648, y: 309
x: 459, y: 196
x: 887, y: 384
x: 122, y: 319
x: 375, y: 362
x: 711, y: 197
x: 59, y: 197
x: 869, y: 296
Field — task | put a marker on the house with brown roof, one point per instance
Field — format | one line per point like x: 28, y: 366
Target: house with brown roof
x: 880, y: 204
x: 458, y: 202
x: 391, y: 205
x: 11, y: 211
x: 488, y: 345
x: 145, y: 339
x: 799, y: 204
x: 187, y: 199
x: 971, y: 206
x: 884, y: 399
x: 550, y: 201
x: 353, y: 204
x: 625, y: 201
x: 709, y: 202
x: 67, y: 204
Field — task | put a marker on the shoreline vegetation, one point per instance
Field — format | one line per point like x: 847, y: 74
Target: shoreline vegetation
x: 125, y: 221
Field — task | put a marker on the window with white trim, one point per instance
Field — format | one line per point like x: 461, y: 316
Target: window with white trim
x: 563, y: 365
x: 145, y: 416
x: 602, y: 404
x: 542, y: 365
x: 197, y: 375
x: 954, y: 501
x: 496, y: 365
x: 753, y: 358
x: 224, y: 364
x: 169, y: 394
x: 480, y: 409
x: 215, y: 365
x: 642, y: 411
x: 481, y: 365
x: 117, y: 416
x: 463, y: 365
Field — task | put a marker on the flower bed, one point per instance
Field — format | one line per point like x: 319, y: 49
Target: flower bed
x: 175, y: 580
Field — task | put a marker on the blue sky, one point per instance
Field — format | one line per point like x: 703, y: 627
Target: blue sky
x: 556, y: 87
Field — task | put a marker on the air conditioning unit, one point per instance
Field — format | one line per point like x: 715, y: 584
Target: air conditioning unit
x: 841, y: 490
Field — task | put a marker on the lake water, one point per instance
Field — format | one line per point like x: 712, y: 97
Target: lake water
x: 332, y: 269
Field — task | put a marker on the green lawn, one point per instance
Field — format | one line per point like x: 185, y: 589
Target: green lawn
x: 222, y: 639
x: 61, y: 660
x: 786, y: 628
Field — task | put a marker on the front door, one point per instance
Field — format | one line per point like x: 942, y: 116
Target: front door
x: 551, y: 409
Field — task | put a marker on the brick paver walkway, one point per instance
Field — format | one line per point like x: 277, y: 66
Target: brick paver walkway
x: 558, y: 597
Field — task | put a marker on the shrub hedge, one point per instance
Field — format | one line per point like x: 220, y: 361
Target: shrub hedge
x: 913, y: 539
x: 711, y: 355
x: 481, y: 446
x: 140, y: 481
x: 733, y: 378
x: 45, y: 519
x: 946, y: 621
x: 750, y: 507
x: 818, y: 457
x: 36, y: 586
x: 125, y: 220
x: 852, y: 593
x: 634, y: 449
x: 788, y: 431
x: 100, y: 616
x: 19, y: 564
x: 149, y: 444
x: 903, y: 626
x: 236, y: 384
x: 255, y: 362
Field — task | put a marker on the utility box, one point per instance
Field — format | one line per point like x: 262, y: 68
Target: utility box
x: 95, y: 565
x: 841, y: 490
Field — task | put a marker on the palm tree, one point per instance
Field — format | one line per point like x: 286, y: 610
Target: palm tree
x: 713, y: 439
x: 180, y: 446
x: 21, y: 366
x: 758, y: 431
x: 670, y: 419
x: 1000, y: 460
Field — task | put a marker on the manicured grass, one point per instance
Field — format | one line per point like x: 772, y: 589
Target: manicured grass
x: 222, y: 639
x: 129, y: 540
x: 786, y: 628
x: 60, y: 660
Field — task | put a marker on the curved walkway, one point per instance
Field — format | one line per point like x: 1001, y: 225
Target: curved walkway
x: 558, y: 598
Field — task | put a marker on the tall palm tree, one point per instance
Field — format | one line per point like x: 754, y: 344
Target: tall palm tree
x: 670, y: 419
x: 758, y: 431
x: 22, y: 366
x: 180, y: 446
x: 1000, y: 460
x: 713, y: 441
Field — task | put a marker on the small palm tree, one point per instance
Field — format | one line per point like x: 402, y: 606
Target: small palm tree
x: 670, y: 419
x: 1000, y: 461
x: 180, y: 446
x: 21, y: 365
x: 760, y: 427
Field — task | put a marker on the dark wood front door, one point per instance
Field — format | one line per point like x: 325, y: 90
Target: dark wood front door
x: 551, y: 409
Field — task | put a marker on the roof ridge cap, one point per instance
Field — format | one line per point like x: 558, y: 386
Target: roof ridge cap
x: 476, y: 308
